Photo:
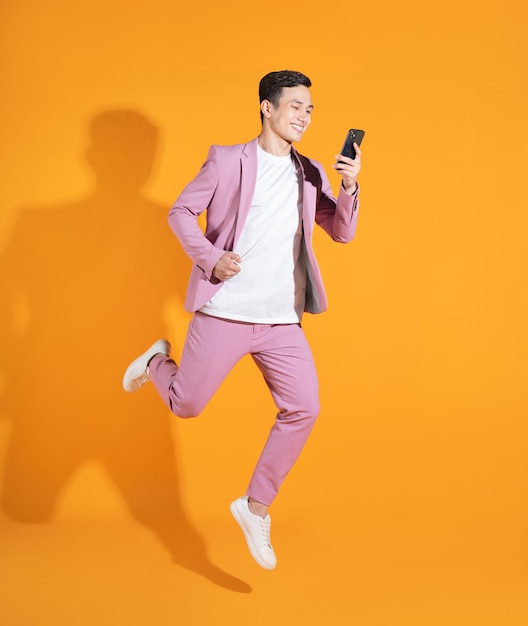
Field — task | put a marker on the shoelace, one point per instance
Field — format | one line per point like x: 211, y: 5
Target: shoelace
x: 143, y: 378
x: 265, y: 526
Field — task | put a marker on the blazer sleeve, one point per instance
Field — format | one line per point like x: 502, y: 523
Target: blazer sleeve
x: 337, y: 217
x: 191, y: 203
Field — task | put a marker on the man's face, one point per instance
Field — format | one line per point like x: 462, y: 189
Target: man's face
x: 293, y: 114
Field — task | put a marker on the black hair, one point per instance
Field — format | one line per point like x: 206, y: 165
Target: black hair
x: 271, y: 85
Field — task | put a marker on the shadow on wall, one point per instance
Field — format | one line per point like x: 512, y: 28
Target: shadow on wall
x: 88, y: 283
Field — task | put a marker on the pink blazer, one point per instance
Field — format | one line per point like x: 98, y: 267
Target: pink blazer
x: 224, y: 187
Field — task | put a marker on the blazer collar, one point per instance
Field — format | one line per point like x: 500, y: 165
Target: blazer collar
x: 250, y: 151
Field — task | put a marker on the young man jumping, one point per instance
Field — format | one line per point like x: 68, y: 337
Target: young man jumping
x: 254, y: 275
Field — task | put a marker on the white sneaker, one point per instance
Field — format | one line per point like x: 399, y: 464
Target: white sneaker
x: 136, y: 374
x: 256, y: 531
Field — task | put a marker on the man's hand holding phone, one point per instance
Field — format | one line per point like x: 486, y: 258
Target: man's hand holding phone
x: 348, y: 163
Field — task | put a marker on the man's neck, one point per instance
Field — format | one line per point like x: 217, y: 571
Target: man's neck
x: 273, y: 144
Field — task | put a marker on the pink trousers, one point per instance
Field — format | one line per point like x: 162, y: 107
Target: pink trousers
x: 281, y: 352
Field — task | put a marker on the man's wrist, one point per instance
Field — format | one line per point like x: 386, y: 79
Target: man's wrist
x: 350, y: 190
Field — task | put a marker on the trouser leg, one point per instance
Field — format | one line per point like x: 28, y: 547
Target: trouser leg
x: 284, y: 357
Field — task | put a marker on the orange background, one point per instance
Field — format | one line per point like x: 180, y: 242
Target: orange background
x: 408, y: 506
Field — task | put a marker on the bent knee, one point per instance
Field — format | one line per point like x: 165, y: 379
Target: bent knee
x: 314, y: 410
x: 307, y: 412
x: 185, y: 411
x: 312, y: 406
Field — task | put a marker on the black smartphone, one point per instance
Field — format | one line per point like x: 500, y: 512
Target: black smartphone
x: 354, y: 135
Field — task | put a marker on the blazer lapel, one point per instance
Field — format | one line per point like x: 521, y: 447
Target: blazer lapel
x: 309, y: 195
x: 248, y: 180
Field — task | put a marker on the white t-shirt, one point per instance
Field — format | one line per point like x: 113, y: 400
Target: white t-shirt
x: 271, y: 286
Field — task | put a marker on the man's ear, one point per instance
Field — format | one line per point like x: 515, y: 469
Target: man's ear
x: 265, y: 108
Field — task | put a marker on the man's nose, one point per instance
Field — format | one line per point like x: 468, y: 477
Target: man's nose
x: 303, y: 115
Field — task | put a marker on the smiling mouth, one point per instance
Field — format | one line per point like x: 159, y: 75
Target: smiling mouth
x: 298, y: 128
